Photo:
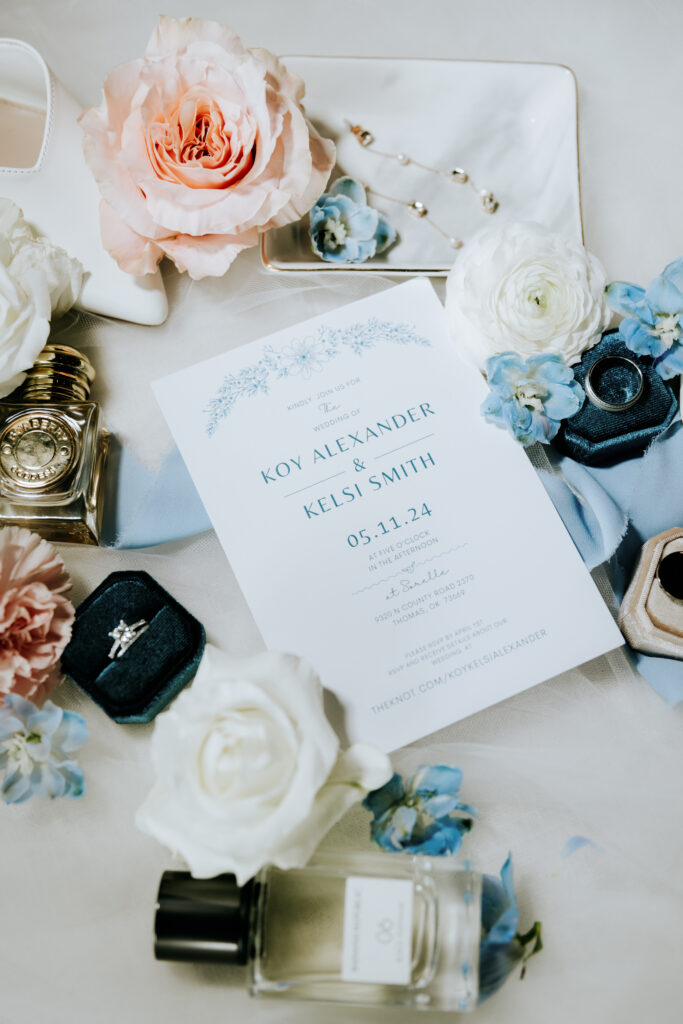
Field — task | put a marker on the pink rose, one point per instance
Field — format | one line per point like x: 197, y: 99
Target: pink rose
x: 197, y: 147
x: 35, y: 617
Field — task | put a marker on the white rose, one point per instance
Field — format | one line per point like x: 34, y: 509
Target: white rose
x: 63, y: 274
x: 248, y: 768
x: 37, y: 280
x: 24, y: 325
x: 24, y: 251
x: 13, y: 228
x: 522, y: 288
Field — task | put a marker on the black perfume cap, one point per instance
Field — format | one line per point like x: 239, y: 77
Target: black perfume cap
x: 202, y: 919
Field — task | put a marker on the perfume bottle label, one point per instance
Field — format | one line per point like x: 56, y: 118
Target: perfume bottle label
x: 36, y: 450
x: 378, y: 925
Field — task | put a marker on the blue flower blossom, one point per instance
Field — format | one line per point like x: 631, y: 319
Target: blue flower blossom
x: 35, y: 748
x: 501, y: 947
x: 423, y: 815
x: 530, y: 397
x: 344, y: 229
x: 653, y: 324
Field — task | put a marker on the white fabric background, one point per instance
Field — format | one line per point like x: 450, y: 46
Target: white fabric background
x: 594, y: 752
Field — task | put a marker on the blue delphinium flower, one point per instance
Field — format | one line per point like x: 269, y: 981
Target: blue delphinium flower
x: 530, y: 397
x: 35, y: 748
x: 423, y: 815
x: 653, y: 324
x: 501, y: 947
x: 344, y: 229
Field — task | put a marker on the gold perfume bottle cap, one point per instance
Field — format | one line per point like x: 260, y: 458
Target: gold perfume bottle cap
x: 59, y: 374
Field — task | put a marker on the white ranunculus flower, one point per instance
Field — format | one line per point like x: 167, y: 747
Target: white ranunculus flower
x: 38, y: 280
x: 248, y: 768
x: 522, y: 288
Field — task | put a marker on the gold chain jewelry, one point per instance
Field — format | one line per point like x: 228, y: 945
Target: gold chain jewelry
x: 420, y: 211
x: 366, y: 139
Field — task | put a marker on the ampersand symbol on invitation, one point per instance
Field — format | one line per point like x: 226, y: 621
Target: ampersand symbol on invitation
x: 358, y: 465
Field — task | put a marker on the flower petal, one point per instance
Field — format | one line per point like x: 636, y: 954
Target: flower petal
x: 16, y: 788
x: 575, y: 843
x: 52, y: 783
x: 671, y: 363
x: 362, y: 222
x: 74, y: 782
x: 496, y: 963
x: 45, y: 721
x: 443, y: 842
x: 175, y: 35
x: 385, y: 234
x: 361, y: 765
x: 492, y: 409
x: 674, y: 272
x: 664, y: 296
x: 71, y: 733
x: 343, y: 789
x: 563, y: 401
x: 393, y: 829
x: 201, y: 138
x: 499, y: 914
x: 641, y: 339
x: 503, y: 371
x: 436, y: 779
x: 628, y: 299
x: 390, y: 794
x: 440, y: 805
x: 20, y: 708
x: 348, y: 186
x: 134, y: 253
x: 208, y: 255
x: 550, y: 368
x: 9, y: 725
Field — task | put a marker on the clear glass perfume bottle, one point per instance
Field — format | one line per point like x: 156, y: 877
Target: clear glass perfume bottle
x: 53, y: 450
x: 353, y: 928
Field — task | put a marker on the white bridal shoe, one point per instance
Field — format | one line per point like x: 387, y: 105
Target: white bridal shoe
x: 42, y: 170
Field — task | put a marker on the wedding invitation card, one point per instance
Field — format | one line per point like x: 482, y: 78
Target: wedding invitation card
x: 377, y: 524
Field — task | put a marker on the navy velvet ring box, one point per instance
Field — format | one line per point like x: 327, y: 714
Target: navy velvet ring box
x: 600, y: 438
x: 144, y: 674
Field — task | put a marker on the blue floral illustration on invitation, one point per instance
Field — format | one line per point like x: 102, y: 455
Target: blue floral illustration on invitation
x: 303, y: 357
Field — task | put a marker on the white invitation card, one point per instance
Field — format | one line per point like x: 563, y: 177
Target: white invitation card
x: 377, y: 524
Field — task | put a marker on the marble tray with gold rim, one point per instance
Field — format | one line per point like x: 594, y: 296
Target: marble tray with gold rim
x: 512, y: 126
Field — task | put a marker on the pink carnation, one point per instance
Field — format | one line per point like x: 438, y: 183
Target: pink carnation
x: 35, y: 617
x: 197, y: 147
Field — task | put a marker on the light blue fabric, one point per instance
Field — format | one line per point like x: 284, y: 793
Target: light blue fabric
x: 143, y: 508
x: 648, y: 494
x: 608, y: 511
x: 593, y: 518
x: 650, y: 490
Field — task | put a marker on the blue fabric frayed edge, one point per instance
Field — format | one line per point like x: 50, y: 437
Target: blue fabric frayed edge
x: 608, y: 512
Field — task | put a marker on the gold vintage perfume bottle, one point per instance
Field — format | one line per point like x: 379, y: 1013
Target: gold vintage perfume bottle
x: 53, y: 450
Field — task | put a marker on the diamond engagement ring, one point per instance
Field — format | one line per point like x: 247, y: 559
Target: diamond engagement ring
x: 125, y: 635
x: 617, y: 375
